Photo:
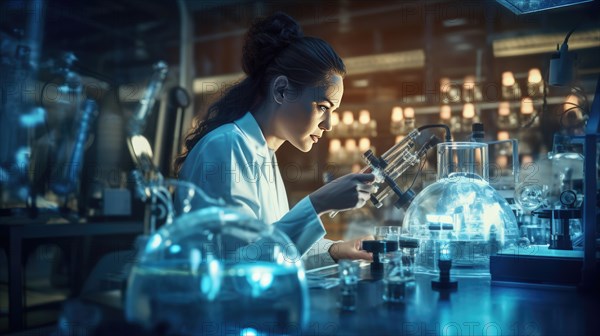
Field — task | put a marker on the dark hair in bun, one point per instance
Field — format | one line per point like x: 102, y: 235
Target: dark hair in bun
x: 273, y: 46
x: 265, y: 39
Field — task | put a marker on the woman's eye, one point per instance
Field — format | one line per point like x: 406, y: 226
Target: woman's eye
x: 323, y: 108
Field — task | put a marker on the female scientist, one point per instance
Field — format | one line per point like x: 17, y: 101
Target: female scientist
x: 293, y: 84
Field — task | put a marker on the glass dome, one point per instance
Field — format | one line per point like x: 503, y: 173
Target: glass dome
x: 216, y: 270
x: 460, y: 216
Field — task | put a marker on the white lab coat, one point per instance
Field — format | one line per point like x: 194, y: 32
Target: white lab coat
x: 234, y: 163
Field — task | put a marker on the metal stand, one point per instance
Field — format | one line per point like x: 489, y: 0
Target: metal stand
x: 560, y: 238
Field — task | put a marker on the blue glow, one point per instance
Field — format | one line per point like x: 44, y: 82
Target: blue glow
x: 445, y: 251
x: 492, y: 214
x: 154, y: 243
x: 195, y: 258
x: 266, y: 280
x: 301, y: 274
x: 210, y: 282
x: 259, y: 279
x: 444, y: 219
x: 35, y: 117
x: 262, y: 277
x: 22, y: 156
x: 175, y: 249
x: 206, y: 286
x: 248, y: 332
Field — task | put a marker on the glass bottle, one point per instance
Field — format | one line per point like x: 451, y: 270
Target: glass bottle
x: 394, y: 280
x: 409, y: 248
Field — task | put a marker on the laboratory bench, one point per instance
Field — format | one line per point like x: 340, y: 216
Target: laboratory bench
x: 477, y: 306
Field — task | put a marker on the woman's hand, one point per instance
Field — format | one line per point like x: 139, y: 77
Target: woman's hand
x: 346, y: 192
x: 351, y: 249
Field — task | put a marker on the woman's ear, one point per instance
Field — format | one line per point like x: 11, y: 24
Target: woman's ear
x: 278, y: 89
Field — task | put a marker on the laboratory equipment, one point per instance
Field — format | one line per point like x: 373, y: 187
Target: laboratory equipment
x: 379, y: 248
x: 390, y: 234
x: 553, y: 192
x: 564, y: 220
x: 562, y: 205
x: 463, y: 209
x: 533, y: 230
x: 444, y: 265
x: 409, y: 248
x: 387, y: 232
x: 66, y: 174
x: 389, y: 167
x: 564, y: 267
x: 147, y: 178
x: 137, y: 123
x: 394, y: 280
x: 567, y: 169
x: 392, y: 164
x: 349, y: 272
x: 217, y: 268
x: 20, y: 52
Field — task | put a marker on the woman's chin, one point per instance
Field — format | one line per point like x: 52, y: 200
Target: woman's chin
x: 305, y: 146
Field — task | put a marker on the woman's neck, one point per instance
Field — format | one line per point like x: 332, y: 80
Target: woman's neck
x: 265, y: 117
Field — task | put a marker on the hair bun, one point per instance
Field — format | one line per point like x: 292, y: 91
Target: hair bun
x: 266, y: 38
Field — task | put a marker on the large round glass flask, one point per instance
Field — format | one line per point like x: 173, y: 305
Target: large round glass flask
x: 460, y: 216
x: 218, y: 271
x: 542, y: 182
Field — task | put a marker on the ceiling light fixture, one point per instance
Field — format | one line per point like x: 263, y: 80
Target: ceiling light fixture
x: 531, y: 6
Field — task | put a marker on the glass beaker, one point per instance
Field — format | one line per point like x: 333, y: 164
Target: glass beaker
x: 409, y: 248
x: 470, y: 158
x: 394, y: 281
x: 567, y: 168
x: 349, y: 272
x: 387, y: 232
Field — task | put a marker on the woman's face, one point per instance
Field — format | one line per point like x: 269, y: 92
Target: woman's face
x: 306, y: 115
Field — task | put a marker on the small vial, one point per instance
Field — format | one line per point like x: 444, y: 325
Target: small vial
x: 409, y: 248
x: 387, y: 233
x: 349, y: 275
x: 394, y: 281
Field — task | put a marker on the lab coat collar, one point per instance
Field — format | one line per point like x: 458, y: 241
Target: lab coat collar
x: 253, y: 133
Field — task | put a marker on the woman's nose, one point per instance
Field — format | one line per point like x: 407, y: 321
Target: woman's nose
x: 325, y: 125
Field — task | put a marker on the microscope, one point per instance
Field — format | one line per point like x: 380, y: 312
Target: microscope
x: 388, y: 169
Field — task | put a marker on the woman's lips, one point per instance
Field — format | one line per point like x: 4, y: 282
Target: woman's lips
x: 315, y: 138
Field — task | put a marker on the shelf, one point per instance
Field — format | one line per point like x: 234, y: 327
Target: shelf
x: 457, y: 107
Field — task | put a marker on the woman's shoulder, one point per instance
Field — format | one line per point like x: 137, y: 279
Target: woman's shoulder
x: 227, y: 134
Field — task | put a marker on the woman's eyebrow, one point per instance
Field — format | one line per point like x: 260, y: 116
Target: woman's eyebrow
x: 329, y: 101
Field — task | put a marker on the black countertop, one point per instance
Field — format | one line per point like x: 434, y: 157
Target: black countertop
x: 477, y: 307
